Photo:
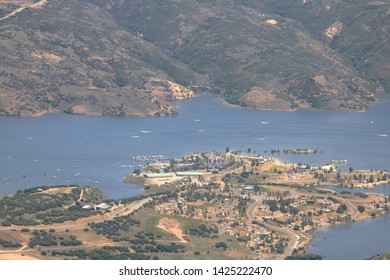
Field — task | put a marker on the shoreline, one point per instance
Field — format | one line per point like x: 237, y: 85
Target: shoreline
x: 220, y: 100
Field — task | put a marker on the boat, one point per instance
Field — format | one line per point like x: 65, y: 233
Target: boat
x: 145, y: 131
x: 197, y: 120
x: 339, y: 160
x: 264, y: 122
x: 383, y: 135
x: 135, y: 136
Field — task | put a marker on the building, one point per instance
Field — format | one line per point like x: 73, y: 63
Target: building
x: 102, y: 206
x: 248, y: 189
x: 189, y: 173
x: 157, y: 175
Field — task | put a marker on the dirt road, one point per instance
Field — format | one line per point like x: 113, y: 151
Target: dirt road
x: 22, y: 7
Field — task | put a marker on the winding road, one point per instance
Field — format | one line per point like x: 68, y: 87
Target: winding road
x: 293, y: 237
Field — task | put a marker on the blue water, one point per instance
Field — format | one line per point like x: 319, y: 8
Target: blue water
x: 52, y: 149
x: 356, y: 241
x: 380, y: 189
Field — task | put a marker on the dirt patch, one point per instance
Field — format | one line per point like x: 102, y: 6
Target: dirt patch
x: 16, y: 256
x: 172, y: 226
x: 262, y: 99
x: 48, y: 57
x: 11, y: 236
x: 320, y: 79
x: 168, y: 90
x: 58, y: 190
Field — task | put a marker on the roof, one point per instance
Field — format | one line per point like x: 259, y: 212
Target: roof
x: 189, y: 173
x: 103, y: 206
x: 158, y: 175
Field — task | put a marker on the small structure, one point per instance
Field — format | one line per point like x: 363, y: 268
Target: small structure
x: 158, y: 175
x: 328, y: 168
x: 248, y: 189
x: 189, y: 173
x: 102, y: 206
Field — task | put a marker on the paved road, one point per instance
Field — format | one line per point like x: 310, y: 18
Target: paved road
x: 84, y: 221
x: 251, y: 209
x: 108, y: 216
x: 355, y: 211
x: 293, y: 237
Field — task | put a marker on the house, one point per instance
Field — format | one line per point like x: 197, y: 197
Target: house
x: 157, y: 175
x: 102, y: 206
x: 248, y: 189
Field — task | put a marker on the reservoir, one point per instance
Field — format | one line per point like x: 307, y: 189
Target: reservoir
x: 63, y: 149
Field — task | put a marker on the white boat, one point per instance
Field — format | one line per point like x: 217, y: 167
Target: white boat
x: 200, y: 130
x: 135, y: 136
x: 197, y: 120
x: 264, y: 122
x: 383, y: 135
x: 145, y: 131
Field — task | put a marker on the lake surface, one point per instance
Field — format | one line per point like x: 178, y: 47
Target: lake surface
x: 356, y: 241
x: 63, y: 149
x: 380, y: 189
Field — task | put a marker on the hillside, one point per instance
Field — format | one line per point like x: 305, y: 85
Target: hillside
x: 357, y: 29
x: 131, y: 57
x: 72, y: 56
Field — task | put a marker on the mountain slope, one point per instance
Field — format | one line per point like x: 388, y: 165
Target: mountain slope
x: 358, y: 29
x: 73, y: 56
x: 127, y: 57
